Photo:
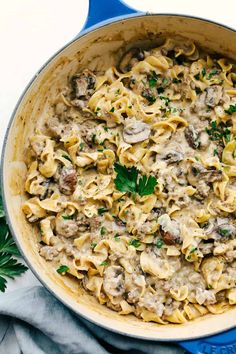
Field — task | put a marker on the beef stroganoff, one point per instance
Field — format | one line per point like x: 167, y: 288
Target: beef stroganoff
x: 132, y: 183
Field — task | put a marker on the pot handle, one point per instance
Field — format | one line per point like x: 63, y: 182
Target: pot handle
x: 223, y: 343
x: 101, y: 10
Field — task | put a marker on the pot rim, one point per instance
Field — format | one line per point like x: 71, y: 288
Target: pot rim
x: 93, y: 28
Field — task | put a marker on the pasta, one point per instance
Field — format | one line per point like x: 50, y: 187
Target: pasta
x: 131, y: 182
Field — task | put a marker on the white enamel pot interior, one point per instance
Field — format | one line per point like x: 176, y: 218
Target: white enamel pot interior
x: 98, y: 48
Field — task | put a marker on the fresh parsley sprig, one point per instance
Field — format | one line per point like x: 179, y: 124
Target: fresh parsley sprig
x: 127, y: 181
x: 9, y: 266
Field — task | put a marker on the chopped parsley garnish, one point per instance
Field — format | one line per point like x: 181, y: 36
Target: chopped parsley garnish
x: 165, y: 99
x: 215, y: 152
x: 151, y: 98
x: 198, y: 90
x: 106, y: 128
x: 68, y: 217
x: 203, y: 72
x: 160, y: 90
x: 195, y: 171
x: 117, y: 237
x: 81, y: 146
x: 159, y: 243
x: 103, y: 230
x: 135, y: 243
x: 176, y: 81
x: 165, y: 82
x: 62, y: 269
x: 127, y: 181
x: 101, y: 211
x: 93, y: 245
x: 112, y: 109
x: 193, y: 250
x: 218, y: 132
x: 223, y: 232
x: 197, y: 76
x: 212, y: 73
x: 231, y: 109
x: 67, y: 157
x: 94, y: 138
x: 104, y: 264
x: 98, y: 109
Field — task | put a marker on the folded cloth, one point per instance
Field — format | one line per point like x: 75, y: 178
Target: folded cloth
x: 32, y: 321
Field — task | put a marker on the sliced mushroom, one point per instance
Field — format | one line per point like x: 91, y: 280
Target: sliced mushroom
x: 197, y: 173
x: 213, y: 95
x: 173, y: 156
x: 130, y: 58
x: 67, y: 180
x: 83, y: 85
x: 135, y: 131
x: 192, y: 136
x: 114, y: 280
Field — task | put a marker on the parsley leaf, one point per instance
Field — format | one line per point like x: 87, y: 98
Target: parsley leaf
x: 112, y: 110
x: 203, y: 72
x: 159, y: 243
x: 68, y: 217
x: 146, y: 185
x: 103, y: 230
x: 223, y: 232
x: 165, y: 99
x: 104, y: 264
x: 197, y: 76
x: 149, y: 97
x: 212, y: 73
x: 9, y: 266
x: 81, y: 146
x: 231, y: 109
x: 101, y: 211
x: 135, y: 243
x: 127, y: 181
x: 218, y: 132
x: 67, y: 157
x: 62, y: 269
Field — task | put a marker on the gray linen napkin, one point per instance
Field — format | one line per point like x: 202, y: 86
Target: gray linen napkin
x: 32, y: 321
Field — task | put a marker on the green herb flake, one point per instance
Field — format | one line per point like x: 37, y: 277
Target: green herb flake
x: 193, y: 250
x: 203, y: 72
x: 198, y: 90
x: 135, y: 243
x: 93, y: 245
x: 197, y: 76
x: 223, y: 232
x: 165, y: 99
x: 151, y: 98
x: 104, y: 264
x: 67, y: 157
x: 106, y: 128
x: 231, y: 109
x: 212, y: 73
x: 112, y: 110
x: 117, y: 237
x: 215, y: 152
x: 63, y: 269
x: 117, y: 92
x: 160, y: 90
x: 159, y: 243
x: 81, y: 146
x: 176, y: 81
x: 152, y: 82
x: 101, y: 211
x: 68, y: 217
x: 103, y: 230
x: 218, y: 132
